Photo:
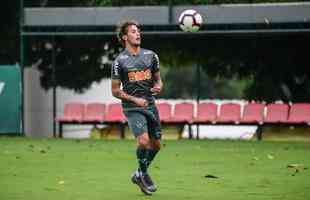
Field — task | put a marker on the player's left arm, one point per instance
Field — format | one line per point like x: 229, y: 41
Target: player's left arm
x: 158, y: 83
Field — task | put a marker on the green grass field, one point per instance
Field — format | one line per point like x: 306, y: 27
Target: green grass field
x: 36, y: 169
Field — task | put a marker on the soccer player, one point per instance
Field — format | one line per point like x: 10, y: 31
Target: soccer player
x: 135, y: 80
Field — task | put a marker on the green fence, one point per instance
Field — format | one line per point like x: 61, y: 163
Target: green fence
x: 10, y: 100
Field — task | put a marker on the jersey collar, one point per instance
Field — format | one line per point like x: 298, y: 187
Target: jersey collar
x: 130, y: 54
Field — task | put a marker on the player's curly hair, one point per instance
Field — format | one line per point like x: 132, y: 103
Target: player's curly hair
x: 122, y: 29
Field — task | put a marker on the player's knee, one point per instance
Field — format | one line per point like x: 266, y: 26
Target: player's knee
x: 144, y: 141
x: 156, y: 145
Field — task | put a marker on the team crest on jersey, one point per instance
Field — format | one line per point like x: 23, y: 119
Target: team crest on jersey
x: 147, y: 52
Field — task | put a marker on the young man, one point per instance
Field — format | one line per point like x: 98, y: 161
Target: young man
x: 135, y: 80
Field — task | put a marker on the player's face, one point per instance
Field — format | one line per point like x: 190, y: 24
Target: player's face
x: 133, y: 36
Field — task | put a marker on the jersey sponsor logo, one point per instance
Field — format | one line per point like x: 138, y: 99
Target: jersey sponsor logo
x: 140, y: 75
x: 2, y: 84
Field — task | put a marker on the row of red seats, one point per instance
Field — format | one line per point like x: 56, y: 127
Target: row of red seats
x: 207, y: 113
x: 253, y: 113
x: 92, y: 112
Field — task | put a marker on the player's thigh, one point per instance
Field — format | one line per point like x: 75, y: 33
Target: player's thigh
x: 137, y: 122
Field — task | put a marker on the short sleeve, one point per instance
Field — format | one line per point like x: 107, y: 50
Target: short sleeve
x: 155, y: 63
x: 115, y: 72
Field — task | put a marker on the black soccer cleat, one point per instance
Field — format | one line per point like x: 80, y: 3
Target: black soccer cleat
x: 136, y: 179
x: 148, y: 183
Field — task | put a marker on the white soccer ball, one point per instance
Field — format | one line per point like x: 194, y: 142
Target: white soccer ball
x: 190, y: 20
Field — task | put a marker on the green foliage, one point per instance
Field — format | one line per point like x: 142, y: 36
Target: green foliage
x: 51, y: 3
x: 103, y: 2
x: 179, y: 82
x: 183, y: 82
x: 80, y: 61
x: 274, y: 67
x: 180, y: 2
x: 9, y: 18
x: 256, y: 61
x: 257, y: 68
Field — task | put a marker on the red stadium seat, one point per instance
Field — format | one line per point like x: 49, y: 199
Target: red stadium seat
x: 94, y: 112
x: 230, y: 113
x: 206, y: 112
x: 73, y: 112
x: 183, y: 113
x: 114, y: 113
x: 253, y: 113
x: 277, y: 113
x: 164, y: 110
x: 299, y: 113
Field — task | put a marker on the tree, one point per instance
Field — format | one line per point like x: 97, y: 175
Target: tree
x: 273, y: 67
x: 9, y: 39
x: 80, y: 61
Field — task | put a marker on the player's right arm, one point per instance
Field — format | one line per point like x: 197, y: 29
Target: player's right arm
x: 120, y: 94
x: 117, y: 90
